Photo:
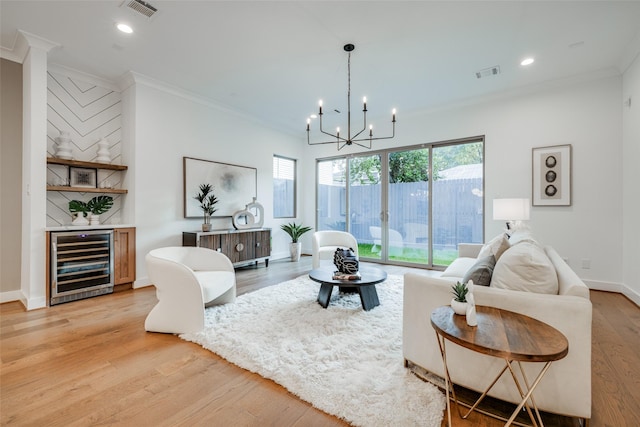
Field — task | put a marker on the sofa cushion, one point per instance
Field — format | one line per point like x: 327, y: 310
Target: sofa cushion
x: 525, y: 267
x: 495, y: 247
x: 481, y: 271
x: 459, y: 267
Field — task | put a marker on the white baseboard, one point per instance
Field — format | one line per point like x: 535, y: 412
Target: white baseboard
x: 632, y: 295
x: 141, y: 283
x: 619, y: 288
x: 10, y: 296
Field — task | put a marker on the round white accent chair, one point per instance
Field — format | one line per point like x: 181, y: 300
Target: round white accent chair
x: 187, y: 279
x: 326, y: 242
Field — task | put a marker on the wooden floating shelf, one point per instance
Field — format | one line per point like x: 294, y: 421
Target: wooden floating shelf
x: 81, y: 164
x: 86, y: 189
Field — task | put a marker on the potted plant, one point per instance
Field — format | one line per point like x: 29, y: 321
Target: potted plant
x: 295, y: 231
x: 207, y: 201
x: 79, y: 211
x: 97, y: 206
x: 459, y: 301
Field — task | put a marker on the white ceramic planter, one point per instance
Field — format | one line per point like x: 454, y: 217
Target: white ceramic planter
x: 459, y: 307
x: 296, y: 249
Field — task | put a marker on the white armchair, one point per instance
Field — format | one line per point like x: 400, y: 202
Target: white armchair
x: 187, y: 279
x: 326, y: 242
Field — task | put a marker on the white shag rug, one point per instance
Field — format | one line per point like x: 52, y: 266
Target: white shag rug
x: 343, y: 360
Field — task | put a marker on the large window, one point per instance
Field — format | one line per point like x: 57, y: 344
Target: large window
x: 410, y: 205
x: 284, y: 187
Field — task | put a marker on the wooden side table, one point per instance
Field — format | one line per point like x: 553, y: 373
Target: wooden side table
x: 500, y: 333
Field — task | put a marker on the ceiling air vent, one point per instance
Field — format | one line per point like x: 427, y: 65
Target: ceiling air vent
x: 141, y: 7
x: 487, y: 72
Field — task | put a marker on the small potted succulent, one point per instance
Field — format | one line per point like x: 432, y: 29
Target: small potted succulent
x: 207, y: 201
x: 459, y: 301
x: 295, y: 231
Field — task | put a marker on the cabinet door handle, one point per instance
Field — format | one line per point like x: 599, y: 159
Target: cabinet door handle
x: 239, y: 247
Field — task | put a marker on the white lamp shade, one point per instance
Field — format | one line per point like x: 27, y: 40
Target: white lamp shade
x: 511, y: 209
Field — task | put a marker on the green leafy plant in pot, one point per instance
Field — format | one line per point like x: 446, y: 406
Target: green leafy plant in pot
x: 79, y: 211
x: 295, y: 231
x: 95, y: 207
x: 207, y: 201
x: 459, y: 301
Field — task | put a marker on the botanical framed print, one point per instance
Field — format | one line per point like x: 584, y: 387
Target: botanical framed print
x: 234, y: 186
x: 552, y: 176
x: 83, y: 177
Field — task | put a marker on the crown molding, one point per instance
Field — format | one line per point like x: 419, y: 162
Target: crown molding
x: 21, y: 45
x: 631, y: 53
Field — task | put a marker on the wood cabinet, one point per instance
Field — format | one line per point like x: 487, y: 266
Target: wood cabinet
x: 124, y: 258
x: 240, y: 246
x: 88, y: 165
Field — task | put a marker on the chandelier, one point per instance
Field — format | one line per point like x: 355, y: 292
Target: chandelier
x: 348, y: 139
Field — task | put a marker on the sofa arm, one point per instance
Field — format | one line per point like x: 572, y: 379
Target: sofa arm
x: 469, y: 250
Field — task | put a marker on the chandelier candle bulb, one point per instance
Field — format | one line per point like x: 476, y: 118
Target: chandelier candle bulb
x: 393, y: 112
x: 364, y: 101
x: 320, y: 103
x: 308, y: 123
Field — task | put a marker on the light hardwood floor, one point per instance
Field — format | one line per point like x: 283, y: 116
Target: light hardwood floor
x: 90, y: 362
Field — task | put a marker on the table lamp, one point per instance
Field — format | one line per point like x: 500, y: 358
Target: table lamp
x: 511, y: 210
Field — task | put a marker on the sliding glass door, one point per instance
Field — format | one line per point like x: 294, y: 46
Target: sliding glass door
x: 408, y: 206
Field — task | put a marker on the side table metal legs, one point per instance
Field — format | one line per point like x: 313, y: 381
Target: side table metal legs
x: 525, y: 395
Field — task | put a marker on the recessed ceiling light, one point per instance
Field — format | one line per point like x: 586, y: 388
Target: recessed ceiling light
x: 125, y: 28
x: 527, y: 61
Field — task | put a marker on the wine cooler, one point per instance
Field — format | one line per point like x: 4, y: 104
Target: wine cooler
x: 81, y: 265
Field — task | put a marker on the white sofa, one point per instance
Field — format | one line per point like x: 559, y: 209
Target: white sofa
x: 187, y: 279
x: 565, y: 389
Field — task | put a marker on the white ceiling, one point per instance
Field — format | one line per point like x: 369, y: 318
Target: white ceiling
x: 275, y: 60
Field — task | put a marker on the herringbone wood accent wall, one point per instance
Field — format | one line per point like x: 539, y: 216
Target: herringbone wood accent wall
x: 88, y: 112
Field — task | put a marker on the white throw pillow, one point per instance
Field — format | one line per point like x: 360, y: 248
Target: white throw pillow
x: 525, y: 267
x: 495, y: 247
x: 459, y: 267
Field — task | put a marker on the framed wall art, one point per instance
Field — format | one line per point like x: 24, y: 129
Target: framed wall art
x: 234, y: 186
x: 83, y: 177
x: 552, y: 176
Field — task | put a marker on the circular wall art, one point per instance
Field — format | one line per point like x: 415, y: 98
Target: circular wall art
x: 550, y: 176
x: 551, y: 161
x: 550, y: 190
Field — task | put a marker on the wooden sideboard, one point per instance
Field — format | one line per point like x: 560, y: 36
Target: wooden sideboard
x: 240, y: 246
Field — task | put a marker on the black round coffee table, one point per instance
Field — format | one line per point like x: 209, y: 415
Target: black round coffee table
x: 365, y: 286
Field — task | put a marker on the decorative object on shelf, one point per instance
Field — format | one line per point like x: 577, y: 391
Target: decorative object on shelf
x: 64, y: 149
x: 79, y: 211
x: 295, y: 231
x: 511, y: 210
x: 552, y: 175
x: 346, y: 261
x: 207, y: 201
x: 104, y: 156
x: 83, y: 177
x: 459, y: 301
x: 97, y: 206
x: 234, y: 185
x: 252, y: 216
x: 342, y: 141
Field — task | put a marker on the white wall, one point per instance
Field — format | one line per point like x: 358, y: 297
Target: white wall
x: 631, y: 178
x: 585, y: 114
x: 168, y: 126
